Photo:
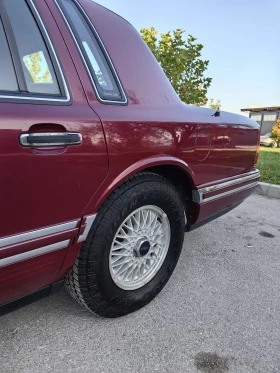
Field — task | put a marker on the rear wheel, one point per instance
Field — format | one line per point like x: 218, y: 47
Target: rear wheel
x: 132, y: 248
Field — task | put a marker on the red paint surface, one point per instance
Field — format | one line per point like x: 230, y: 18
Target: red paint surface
x: 46, y: 187
x: 30, y: 275
x: 208, y: 209
x: 156, y: 123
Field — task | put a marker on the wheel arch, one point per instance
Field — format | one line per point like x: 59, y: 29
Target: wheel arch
x: 180, y: 179
x: 173, y: 169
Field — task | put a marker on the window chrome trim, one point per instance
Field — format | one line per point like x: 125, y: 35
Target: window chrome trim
x: 11, y: 240
x: 33, y: 253
x: 198, y: 195
x: 104, y: 50
x: 47, y: 98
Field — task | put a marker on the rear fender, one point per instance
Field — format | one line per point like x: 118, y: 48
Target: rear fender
x: 112, y: 182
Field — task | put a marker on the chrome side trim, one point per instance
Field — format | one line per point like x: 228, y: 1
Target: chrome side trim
x: 232, y: 182
x: 229, y: 192
x: 82, y: 56
x: 11, y: 240
x: 198, y: 195
x: 89, y: 221
x: 47, y: 98
x: 33, y: 253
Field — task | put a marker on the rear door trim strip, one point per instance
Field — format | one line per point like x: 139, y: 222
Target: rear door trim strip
x: 11, y: 240
x: 31, y: 254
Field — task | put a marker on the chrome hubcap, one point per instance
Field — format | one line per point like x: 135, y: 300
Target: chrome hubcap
x: 139, y: 247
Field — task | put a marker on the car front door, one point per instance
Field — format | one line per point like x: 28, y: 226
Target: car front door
x: 52, y: 150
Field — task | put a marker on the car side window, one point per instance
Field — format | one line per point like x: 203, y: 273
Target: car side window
x: 102, y: 76
x: 36, y: 64
x: 8, y: 80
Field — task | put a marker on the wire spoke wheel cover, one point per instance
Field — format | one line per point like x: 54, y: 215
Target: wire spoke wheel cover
x: 139, y: 247
x: 132, y: 248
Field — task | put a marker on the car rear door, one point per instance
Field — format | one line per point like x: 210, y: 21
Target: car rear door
x: 53, y: 154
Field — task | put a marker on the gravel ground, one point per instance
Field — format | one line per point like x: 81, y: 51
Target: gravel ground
x: 218, y: 313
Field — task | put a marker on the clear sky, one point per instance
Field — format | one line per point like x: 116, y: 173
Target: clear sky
x: 240, y: 38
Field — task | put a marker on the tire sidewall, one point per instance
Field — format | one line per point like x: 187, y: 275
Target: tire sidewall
x: 98, y: 274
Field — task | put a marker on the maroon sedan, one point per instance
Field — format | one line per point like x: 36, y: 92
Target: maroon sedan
x: 103, y: 168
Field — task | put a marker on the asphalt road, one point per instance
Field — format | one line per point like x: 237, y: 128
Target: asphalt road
x: 220, y: 312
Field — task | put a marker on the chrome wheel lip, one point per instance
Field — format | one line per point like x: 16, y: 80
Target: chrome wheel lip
x: 131, y: 272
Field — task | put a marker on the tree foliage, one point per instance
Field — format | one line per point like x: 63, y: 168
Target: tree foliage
x: 275, y: 134
x: 38, y: 68
x: 181, y: 62
x: 214, y: 105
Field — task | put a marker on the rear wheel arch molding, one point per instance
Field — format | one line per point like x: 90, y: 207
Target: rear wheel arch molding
x: 157, y: 165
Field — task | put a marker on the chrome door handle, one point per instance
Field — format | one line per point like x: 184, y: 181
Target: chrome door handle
x: 50, y: 139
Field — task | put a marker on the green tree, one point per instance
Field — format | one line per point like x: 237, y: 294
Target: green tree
x: 275, y: 134
x: 181, y: 61
x: 214, y: 105
x: 38, y: 67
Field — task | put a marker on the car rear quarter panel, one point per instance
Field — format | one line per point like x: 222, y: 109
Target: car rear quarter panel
x: 156, y: 128
x: 156, y: 125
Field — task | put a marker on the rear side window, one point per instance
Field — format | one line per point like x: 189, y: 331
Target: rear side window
x: 38, y: 70
x: 101, y: 73
x: 8, y: 80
